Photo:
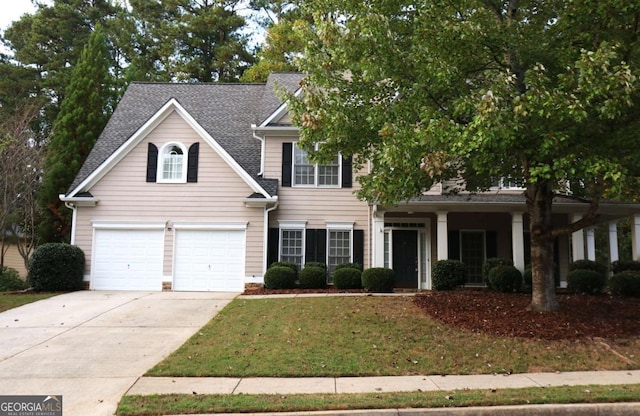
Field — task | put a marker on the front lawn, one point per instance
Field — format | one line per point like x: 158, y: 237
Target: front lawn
x: 10, y: 300
x: 369, y: 336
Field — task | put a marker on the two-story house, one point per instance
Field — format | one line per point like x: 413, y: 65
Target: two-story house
x: 199, y: 187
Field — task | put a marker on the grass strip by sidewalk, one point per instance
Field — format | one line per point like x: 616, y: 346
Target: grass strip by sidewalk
x: 193, y: 404
x: 367, y: 336
x: 12, y: 300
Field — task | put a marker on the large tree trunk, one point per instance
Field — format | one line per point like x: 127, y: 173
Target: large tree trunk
x: 539, y: 200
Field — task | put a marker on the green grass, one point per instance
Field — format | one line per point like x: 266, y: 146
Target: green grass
x: 367, y: 336
x: 13, y: 300
x: 186, y: 404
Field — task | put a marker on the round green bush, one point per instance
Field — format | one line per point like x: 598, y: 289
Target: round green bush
x: 313, y: 277
x: 316, y: 264
x: 10, y: 280
x: 506, y: 279
x: 288, y: 264
x: 378, y: 279
x: 492, y: 262
x: 588, y: 265
x: 348, y: 266
x: 279, y: 277
x: 585, y: 281
x: 626, y: 283
x: 56, y: 267
x: 527, y: 280
x: 347, y: 278
x: 619, y: 266
x: 448, y: 274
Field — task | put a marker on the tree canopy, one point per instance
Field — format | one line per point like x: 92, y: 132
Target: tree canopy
x: 544, y: 93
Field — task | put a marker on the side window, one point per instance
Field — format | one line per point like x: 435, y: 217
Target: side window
x: 172, y: 163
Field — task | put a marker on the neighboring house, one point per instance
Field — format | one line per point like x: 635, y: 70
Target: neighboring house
x: 199, y: 187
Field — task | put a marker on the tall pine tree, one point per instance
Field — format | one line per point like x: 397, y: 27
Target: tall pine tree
x: 83, y: 114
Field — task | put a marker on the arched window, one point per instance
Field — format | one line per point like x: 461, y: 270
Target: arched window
x: 172, y: 163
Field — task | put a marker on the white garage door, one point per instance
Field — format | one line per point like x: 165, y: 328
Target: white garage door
x: 127, y: 259
x: 209, y: 260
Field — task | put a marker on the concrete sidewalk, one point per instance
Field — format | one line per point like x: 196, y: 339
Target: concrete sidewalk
x: 340, y: 385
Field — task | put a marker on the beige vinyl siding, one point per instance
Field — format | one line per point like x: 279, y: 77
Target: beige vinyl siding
x: 318, y: 205
x: 217, y: 197
x: 13, y: 259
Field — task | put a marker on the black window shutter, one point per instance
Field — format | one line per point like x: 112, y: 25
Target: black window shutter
x: 454, y: 244
x: 347, y: 172
x: 152, y: 162
x: 358, y: 247
x: 287, y: 163
x: 315, y: 246
x: 491, y: 243
x: 192, y: 163
x: 273, y: 246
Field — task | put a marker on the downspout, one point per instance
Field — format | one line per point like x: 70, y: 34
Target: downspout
x: 74, y: 211
x: 262, y: 150
x: 265, y: 250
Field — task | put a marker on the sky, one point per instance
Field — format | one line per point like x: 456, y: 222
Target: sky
x: 12, y: 10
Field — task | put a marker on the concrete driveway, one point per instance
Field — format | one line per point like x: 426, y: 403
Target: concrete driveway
x: 92, y: 346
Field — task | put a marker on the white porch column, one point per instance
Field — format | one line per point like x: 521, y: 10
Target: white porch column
x: 443, y: 236
x: 377, y: 225
x: 635, y: 237
x: 591, y: 244
x: 577, y: 242
x: 517, y: 238
x: 613, y: 242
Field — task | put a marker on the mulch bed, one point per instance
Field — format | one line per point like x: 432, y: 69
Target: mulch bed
x: 580, y: 316
x: 501, y: 314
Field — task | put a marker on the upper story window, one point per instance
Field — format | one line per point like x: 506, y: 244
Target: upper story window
x: 307, y: 174
x: 506, y: 183
x: 172, y: 163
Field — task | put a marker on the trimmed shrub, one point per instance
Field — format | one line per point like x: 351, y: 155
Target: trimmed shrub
x: 626, y: 283
x: 619, y: 266
x: 279, y: 277
x: 313, y: 277
x: 492, y: 262
x: 505, y: 279
x: 527, y: 279
x: 588, y: 265
x: 448, y: 274
x: 347, y: 278
x: 56, y: 267
x: 348, y: 266
x: 378, y: 279
x: 290, y: 265
x: 323, y: 266
x: 10, y: 280
x: 586, y: 281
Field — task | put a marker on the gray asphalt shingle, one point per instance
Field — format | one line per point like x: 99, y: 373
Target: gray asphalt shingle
x: 225, y: 111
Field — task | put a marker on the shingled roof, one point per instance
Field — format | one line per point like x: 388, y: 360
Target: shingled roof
x: 225, y: 111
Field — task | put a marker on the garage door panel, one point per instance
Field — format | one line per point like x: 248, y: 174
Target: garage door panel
x: 209, y: 260
x: 127, y: 259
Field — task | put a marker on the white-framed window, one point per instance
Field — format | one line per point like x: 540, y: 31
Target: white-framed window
x: 339, y: 244
x: 172, y: 163
x: 306, y: 173
x: 506, y: 183
x: 292, y: 235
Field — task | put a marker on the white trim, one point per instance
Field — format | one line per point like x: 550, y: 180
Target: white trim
x: 79, y: 201
x: 211, y: 226
x: 280, y: 111
x: 292, y: 225
x: 171, y: 106
x: 126, y: 225
x: 340, y: 225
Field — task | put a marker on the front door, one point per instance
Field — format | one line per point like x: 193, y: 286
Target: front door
x: 405, y: 258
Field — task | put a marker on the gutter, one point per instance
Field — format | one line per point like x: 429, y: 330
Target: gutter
x: 262, y: 148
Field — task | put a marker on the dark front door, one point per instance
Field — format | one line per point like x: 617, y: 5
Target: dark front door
x: 405, y: 258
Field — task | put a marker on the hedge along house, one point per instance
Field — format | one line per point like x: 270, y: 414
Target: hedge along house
x: 199, y: 187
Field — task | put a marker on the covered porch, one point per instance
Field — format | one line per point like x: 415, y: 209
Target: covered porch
x: 473, y: 227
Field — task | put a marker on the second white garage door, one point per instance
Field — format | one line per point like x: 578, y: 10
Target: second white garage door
x: 209, y: 260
